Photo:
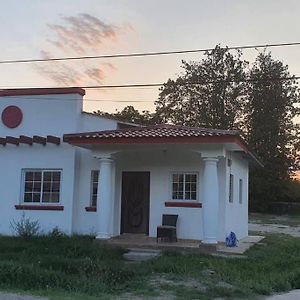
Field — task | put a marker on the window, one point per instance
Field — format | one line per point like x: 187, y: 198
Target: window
x: 241, y: 191
x: 94, y: 187
x: 184, y: 186
x: 41, y: 186
x: 231, y: 188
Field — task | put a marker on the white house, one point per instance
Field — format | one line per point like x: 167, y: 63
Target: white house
x: 93, y: 175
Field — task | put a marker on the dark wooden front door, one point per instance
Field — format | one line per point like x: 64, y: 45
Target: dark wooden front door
x: 135, y: 202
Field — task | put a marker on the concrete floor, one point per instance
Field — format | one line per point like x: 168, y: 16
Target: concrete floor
x: 141, y: 241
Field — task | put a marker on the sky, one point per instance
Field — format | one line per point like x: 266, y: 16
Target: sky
x: 59, y: 28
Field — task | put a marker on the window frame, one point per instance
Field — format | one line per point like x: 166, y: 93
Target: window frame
x: 231, y: 188
x: 92, y: 187
x: 241, y: 188
x: 197, y: 186
x: 40, y: 203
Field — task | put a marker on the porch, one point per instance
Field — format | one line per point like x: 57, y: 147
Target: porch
x: 150, y: 171
x: 144, y: 242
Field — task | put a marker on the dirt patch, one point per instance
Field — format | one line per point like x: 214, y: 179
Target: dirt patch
x: 163, y: 282
x: 4, y: 296
x: 293, y: 295
x: 275, y: 228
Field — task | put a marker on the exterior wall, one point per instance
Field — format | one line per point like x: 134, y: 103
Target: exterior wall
x: 13, y: 160
x: 47, y: 115
x: 85, y: 221
x: 236, y: 214
x: 60, y: 114
x: 44, y: 114
x: 161, y: 165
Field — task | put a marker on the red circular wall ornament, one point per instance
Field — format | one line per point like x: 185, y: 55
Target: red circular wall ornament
x: 12, y: 116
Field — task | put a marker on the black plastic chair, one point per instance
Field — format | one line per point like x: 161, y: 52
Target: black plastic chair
x: 168, y: 228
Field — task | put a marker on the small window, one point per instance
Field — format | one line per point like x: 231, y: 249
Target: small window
x: 94, y: 187
x: 184, y: 186
x: 231, y: 188
x: 241, y: 191
x: 41, y: 186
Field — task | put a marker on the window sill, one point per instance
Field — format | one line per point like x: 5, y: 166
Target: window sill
x: 183, y: 204
x: 91, y: 209
x: 39, y: 207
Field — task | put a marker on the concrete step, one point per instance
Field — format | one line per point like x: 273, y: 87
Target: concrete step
x: 138, y: 255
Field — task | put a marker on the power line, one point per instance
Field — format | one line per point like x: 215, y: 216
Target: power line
x: 189, y: 83
x: 144, y: 54
x: 138, y: 86
x: 143, y: 85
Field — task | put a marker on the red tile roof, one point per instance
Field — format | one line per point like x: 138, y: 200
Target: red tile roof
x: 160, y: 134
x: 157, y: 131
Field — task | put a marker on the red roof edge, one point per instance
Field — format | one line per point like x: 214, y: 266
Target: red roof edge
x: 41, y: 91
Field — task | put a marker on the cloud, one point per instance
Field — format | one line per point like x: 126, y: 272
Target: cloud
x: 79, y: 35
x: 83, y: 32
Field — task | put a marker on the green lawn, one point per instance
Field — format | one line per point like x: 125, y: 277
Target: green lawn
x: 76, y: 268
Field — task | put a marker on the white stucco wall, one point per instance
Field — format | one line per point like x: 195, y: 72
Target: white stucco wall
x: 160, y: 164
x: 60, y: 114
x: 236, y: 214
x: 46, y: 115
x: 13, y: 160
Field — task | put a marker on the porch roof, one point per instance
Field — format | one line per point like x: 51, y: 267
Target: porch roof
x: 161, y: 134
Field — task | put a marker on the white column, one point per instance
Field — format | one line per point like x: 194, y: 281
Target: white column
x: 105, y: 198
x: 211, y: 200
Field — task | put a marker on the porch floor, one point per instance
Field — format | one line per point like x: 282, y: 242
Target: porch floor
x: 142, y: 241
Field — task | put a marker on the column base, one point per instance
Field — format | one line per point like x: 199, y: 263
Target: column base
x: 103, y: 236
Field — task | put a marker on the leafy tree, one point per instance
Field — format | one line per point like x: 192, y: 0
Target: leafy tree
x: 132, y: 115
x: 216, y: 103
x: 270, y: 110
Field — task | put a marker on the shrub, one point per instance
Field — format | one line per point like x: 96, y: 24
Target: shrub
x: 56, y: 233
x: 25, y: 227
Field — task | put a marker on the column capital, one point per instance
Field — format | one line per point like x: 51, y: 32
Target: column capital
x: 211, y: 159
x: 103, y: 156
x: 107, y: 160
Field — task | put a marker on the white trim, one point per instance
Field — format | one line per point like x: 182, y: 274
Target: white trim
x: 171, y: 187
x: 22, y: 192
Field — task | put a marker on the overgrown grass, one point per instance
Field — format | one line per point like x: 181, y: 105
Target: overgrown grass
x: 78, y: 268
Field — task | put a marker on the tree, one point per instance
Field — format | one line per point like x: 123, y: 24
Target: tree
x: 132, y: 115
x: 270, y: 111
x: 216, y: 103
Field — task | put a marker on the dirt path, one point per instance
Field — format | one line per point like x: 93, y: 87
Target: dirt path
x: 293, y: 295
x: 275, y: 228
x: 4, y: 296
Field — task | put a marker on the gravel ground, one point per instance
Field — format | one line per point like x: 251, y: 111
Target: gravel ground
x: 275, y: 228
x: 4, y: 296
x: 293, y: 295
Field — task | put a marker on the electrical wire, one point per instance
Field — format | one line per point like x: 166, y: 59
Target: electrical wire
x: 143, y: 85
x: 144, y: 54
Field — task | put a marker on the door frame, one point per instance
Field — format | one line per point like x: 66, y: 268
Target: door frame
x: 148, y: 200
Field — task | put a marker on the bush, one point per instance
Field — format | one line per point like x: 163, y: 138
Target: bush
x: 26, y: 228
x: 56, y: 233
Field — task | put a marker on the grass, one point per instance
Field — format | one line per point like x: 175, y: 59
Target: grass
x: 76, y: 268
